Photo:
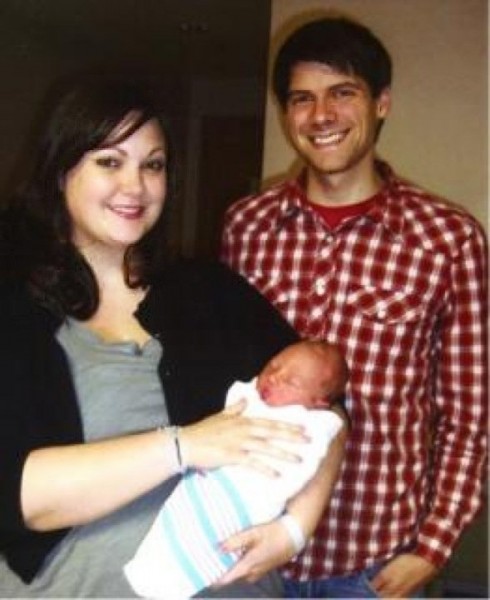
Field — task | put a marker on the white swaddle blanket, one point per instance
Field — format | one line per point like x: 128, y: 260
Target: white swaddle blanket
x: 180, y: 554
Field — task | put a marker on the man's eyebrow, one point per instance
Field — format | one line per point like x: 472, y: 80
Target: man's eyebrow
x: 298, y: 91
x: 347, y: 82
x: 341, y: 84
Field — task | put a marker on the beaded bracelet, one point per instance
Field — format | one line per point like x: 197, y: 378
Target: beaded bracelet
x: 294, y: 530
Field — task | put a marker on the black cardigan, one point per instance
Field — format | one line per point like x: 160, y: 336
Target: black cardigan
x: 214, y: 329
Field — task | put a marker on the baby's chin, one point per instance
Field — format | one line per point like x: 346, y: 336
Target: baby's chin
x: 271, y: 401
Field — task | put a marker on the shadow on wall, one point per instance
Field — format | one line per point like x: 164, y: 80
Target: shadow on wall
x: 466, y: 574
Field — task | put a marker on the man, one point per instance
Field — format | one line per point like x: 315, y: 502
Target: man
x: 397, y: 278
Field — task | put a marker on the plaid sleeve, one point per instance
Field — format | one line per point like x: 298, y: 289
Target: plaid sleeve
x: 461, y: 395
x: 229, y: 251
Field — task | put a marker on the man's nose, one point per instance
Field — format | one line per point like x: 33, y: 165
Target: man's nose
x: 324, y: 110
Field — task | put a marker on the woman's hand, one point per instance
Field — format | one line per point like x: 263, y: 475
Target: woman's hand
x: 263, y: 548
x: 229, y: 437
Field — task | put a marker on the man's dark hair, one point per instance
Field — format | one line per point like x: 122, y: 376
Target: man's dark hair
x: 340, y: 43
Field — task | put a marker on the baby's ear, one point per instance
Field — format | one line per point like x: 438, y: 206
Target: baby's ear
x: 321, y: 403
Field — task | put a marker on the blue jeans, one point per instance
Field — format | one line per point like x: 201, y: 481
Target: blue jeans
x: 355, y: 585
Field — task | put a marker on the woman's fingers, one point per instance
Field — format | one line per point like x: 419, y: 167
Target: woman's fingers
x: 265, y: 428
x: 231, y: 438
x: 272, y: 448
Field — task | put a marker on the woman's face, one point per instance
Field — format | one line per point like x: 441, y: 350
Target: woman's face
x: 115, y: 194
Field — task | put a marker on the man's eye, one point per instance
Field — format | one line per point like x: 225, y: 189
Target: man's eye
x: 108, y: 162
x: 299, y: 99
x: 344, y: 93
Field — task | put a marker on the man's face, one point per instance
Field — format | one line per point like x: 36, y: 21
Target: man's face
x: 332, y: 119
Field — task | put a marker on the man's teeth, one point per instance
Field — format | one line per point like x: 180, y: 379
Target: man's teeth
x: 332, y: 138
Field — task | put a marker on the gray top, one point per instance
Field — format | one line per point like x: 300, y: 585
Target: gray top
x: 119, y: 392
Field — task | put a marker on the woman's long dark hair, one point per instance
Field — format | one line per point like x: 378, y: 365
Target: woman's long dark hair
x: 35, y: 232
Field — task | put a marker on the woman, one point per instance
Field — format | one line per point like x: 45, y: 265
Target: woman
x: 105, y: 345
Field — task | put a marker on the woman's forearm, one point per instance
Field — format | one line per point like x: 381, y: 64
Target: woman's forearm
x: 72, y: 485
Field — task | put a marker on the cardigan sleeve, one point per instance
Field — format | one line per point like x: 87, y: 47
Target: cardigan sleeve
x: 37, y: 408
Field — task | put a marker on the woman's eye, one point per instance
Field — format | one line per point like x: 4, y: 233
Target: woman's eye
x: 157, y: 165
x: 108, y: 162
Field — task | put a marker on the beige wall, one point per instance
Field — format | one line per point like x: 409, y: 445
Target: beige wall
x: 437, y: 133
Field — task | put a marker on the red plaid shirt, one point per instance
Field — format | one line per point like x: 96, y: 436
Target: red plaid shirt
x: 403, y: 290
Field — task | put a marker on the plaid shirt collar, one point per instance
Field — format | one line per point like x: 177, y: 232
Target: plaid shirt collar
x: 386, y: 209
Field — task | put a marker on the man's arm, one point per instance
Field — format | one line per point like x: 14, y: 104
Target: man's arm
x: 461, y: 415
x: 269, y: 546
x: 460, y: 425
x: 308, y: 504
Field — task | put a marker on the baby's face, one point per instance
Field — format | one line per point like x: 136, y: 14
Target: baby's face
x: 294, y: 376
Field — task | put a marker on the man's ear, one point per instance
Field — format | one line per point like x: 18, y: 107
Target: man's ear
x: 383, y: 103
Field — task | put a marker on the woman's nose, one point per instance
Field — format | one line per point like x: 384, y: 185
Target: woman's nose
x: 132, y: 181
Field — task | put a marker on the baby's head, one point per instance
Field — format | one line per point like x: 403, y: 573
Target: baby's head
x: 310, y: 373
